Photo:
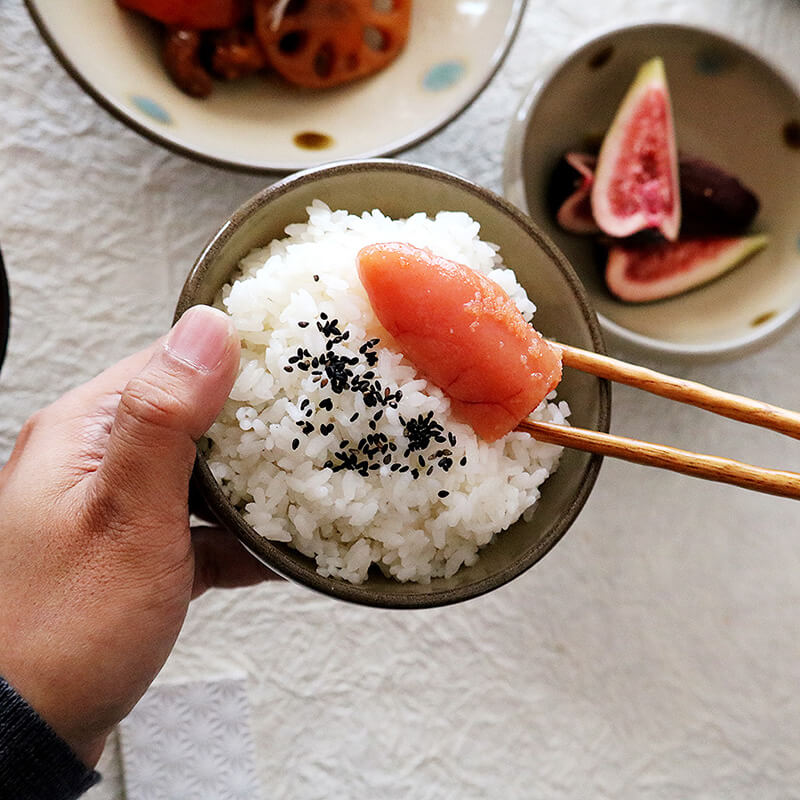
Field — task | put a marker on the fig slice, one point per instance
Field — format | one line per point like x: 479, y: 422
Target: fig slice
x: 636, y: 180
x: 638, y: 274
x: 574, y: 213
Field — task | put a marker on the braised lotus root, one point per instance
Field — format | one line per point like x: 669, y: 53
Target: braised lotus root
x: 322, y: 43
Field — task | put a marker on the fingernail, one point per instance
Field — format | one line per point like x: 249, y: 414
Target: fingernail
x: 201, y: 337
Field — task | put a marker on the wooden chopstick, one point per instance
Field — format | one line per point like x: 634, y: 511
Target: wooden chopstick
x: 743, y: 409
x: 724, y: 470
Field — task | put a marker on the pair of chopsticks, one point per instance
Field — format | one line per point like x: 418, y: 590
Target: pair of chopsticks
x: 743, y: 409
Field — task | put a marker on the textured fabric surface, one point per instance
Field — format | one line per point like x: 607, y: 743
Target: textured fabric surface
x: 655, y: 653
x: 34, y: 762
x: 190, y: 739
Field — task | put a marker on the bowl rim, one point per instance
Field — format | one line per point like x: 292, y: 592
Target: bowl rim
x: 285, y: 565
x: 513, y: 181
x: 498, y: 58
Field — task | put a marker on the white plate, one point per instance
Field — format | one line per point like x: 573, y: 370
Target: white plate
x: 453, y: 50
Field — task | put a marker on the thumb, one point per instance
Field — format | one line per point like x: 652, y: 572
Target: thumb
x: 164, y: 409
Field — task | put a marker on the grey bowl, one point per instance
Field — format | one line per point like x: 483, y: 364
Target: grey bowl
x: 711, y: 79
x: 564, y: 313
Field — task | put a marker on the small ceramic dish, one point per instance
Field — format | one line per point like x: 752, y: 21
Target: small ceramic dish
x: 5, y: 311
x: 730, y: 107
x: 262, y: 124
x: 563, y: 312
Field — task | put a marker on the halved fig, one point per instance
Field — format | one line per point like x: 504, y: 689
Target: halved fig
x: 324, y: 43
x: 640, y: 273
x: 636, y: 181
x: 713, y: 202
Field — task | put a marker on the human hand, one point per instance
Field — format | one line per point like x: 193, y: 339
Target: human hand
x: 97, y: 560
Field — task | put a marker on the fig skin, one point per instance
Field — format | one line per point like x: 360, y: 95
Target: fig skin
x: 713, y: 201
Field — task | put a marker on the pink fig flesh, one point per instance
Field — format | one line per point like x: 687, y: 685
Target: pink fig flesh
x: 636, y: 180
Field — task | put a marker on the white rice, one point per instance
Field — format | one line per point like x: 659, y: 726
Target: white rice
x: 412, y: 528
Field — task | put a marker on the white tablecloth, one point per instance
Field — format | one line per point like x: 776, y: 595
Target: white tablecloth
x: 655, y: 653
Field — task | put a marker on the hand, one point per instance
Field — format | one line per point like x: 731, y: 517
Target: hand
x: 97, y: 560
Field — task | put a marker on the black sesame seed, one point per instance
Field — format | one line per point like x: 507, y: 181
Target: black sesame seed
x: 372, y: 424
x: 327, y: 404
x: 452, y: 439
x: 308, y: 428
x: 302, y: 324
x: 288, y: 369
x: 387, y: 459
x: 415, y: 474
x: 316, y: 278
x: 443, y: 493
x: 304, y: 403
x: 354, y: 417
x: 394, y: 467
x: 295, y: 444
x: 404, y: 468
x: 322, y: 315
x: 463, y: 461
x: 429, y: 472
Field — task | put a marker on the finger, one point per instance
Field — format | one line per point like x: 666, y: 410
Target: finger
x: 220, y: 561
x: 163, y: 409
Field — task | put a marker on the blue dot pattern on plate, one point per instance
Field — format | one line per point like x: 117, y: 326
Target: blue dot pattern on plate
x: 710, y: 62
x: 443, y: 75
x: 151, y: 108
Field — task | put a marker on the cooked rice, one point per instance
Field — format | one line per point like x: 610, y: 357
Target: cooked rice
x: 347, y: 453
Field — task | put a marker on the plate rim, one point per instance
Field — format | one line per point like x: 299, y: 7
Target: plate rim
x: 499, y: 56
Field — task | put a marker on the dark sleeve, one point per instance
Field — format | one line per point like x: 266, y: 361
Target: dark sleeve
x: 35, y: 764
